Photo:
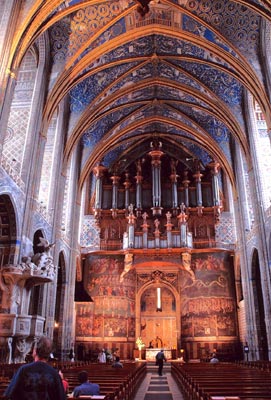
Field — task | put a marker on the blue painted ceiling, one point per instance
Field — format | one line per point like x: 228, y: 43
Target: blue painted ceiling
x: 180, y: 73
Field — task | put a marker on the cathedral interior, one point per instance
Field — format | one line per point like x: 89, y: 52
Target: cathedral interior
x: 135, y: 190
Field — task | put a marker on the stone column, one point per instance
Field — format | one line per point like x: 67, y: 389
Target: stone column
x: 9, y: 21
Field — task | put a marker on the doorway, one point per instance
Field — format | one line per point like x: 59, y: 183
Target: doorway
x: 159, y: 326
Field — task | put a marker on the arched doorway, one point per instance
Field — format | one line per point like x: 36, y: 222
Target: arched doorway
x: 8, y: 231
x: 158, y: 316
x: 259, y: 308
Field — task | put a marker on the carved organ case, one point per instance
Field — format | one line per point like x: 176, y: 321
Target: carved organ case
x: 156, y: 199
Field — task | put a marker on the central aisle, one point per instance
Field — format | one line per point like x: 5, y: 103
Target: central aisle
x: 155, y: 387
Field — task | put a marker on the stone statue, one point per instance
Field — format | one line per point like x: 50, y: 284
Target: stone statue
x: 27, y: 265
x: 156, y: 224
x: 131, y: 209
x: 45, y: 245
x: 44, y: 261
x: 182, y: 208
x: 145, y: 216
x: 168, y: 215
x: 128, y: 265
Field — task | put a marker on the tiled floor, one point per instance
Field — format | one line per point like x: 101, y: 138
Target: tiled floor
x: 155, y: 387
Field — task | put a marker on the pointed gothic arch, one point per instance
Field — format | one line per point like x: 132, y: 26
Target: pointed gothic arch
x: 160, y: 322
x: 8, y: 230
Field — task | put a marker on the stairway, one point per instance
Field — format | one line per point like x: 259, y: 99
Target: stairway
x: 152, y: 368
x: 155, y: 387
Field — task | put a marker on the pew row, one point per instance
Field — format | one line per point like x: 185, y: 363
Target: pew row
x: 206, y: 381
x: 115, y: 384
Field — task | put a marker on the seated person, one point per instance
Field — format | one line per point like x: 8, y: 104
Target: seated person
x: 64, y: 382
x: 85, y: 386
x: 214, y: 359
x: 117, y: 363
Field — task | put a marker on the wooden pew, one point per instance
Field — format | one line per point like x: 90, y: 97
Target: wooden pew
x: 125, y: 380
x: 203, y: 381
x: 115, y: 384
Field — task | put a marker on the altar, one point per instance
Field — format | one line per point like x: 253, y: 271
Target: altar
x: 151, y: 353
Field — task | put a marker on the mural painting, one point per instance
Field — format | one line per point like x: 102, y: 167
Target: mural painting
x: 208, y: 302
x: 112, y: 314
x: 84, y: 319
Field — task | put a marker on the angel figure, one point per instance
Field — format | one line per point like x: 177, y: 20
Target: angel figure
x: 44, y: 243
x: 43, y: 260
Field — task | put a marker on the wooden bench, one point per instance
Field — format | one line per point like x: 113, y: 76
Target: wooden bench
x: 124, y: 380
x: 204, y: 381
x: 115, y: 384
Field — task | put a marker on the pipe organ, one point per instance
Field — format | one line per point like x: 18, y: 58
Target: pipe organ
x: 159, y: 201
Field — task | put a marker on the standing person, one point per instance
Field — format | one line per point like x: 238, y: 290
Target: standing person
x: 160, y: 358
x: 102, y: 357
x: 37, y: 380
x: 71, y: 355
x: 85, y: 387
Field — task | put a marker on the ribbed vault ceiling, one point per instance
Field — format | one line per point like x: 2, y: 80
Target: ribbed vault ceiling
x: 180, y: 72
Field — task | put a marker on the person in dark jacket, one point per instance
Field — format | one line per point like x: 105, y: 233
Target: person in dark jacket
x: 160, y: 358
x: 86, y: 387
x: 117, y: 363
x: 37, y: 380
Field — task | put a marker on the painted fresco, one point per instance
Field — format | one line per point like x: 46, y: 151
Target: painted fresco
x: 155, y: 326
x: 208, y: 302
x: 84, y: 317
x: 112, y: 314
